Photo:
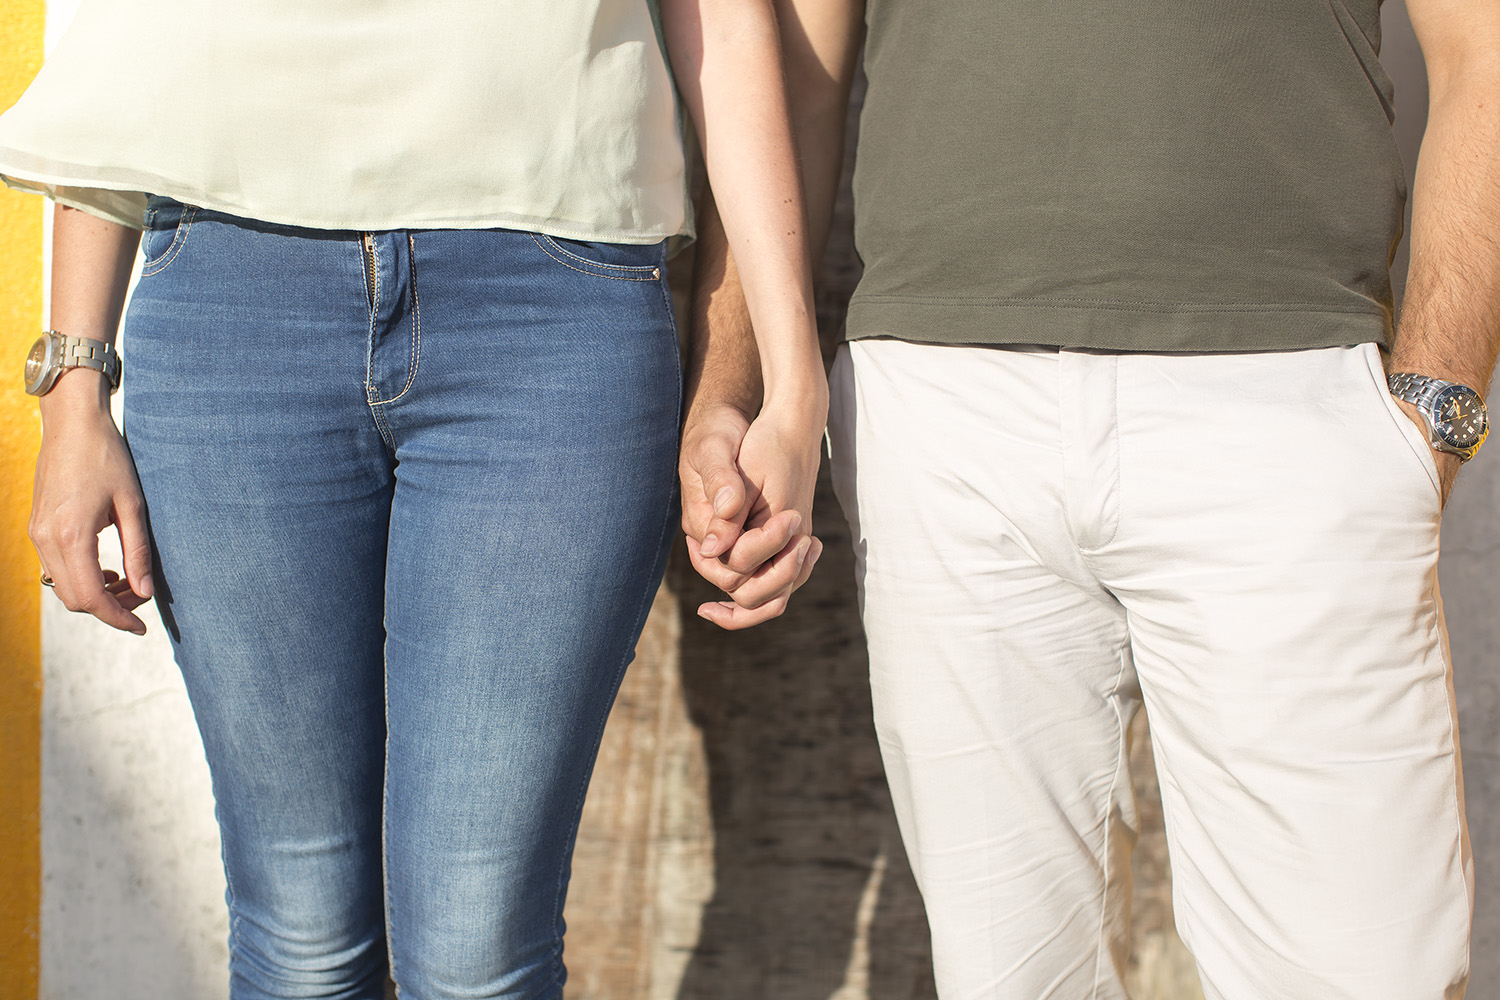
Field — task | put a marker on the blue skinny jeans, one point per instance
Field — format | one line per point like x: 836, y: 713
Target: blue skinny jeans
x: 411, y: 494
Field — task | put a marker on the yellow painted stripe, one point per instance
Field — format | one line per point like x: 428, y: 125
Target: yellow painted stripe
x: 22, y: 23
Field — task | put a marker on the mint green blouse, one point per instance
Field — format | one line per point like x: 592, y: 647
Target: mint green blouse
x: 556, y: 117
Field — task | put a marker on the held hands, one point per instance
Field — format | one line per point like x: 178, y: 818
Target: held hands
x: 85, y: 481
x: 747, y: 490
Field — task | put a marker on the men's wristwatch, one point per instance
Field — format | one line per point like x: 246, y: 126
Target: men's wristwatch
x: 1457, y: 421
x: 54, y: 353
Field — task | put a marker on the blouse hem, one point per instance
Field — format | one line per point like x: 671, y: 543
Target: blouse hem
x: 113, y: 201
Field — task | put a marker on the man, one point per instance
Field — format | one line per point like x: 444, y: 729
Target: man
x: 1114, y: 426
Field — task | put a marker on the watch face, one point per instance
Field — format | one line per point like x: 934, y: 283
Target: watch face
x: 1460, y: 417
x: 36, y: 360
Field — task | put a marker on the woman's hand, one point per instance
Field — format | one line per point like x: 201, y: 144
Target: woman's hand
x: 85, y: 481
x: 747, y: 506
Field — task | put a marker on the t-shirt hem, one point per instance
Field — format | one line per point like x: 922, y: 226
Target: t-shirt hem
x: 1121, y: 326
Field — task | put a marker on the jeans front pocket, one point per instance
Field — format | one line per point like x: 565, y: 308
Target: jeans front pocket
x: 621, y: 261
x: 167, y: 225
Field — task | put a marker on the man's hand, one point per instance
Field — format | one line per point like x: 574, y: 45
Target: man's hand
x: 1447, y: 462
x: 747, y: 511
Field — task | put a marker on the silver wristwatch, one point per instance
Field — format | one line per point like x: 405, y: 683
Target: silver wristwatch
x: 54, y: 353
x: 1457, y: 420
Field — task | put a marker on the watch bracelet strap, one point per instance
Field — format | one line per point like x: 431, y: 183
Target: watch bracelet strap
x: 85, y: 352
x: 1414, y: 388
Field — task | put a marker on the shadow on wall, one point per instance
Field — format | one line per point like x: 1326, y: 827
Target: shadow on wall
x: 813, y: 898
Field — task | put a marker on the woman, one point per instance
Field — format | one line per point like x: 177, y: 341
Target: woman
x: 403, y: 401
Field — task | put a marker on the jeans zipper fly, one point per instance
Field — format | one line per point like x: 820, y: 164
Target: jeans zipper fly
x: 367, y: 248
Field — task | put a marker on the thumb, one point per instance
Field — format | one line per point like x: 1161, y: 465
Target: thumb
x: 724, y: 490
x: 726, y: 497
x: 135, y: 544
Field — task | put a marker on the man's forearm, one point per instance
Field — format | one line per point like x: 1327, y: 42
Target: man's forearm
x: 1450, y: 322
x: 723, y: 364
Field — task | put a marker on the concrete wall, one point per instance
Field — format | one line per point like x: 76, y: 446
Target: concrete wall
x: 738, y: 841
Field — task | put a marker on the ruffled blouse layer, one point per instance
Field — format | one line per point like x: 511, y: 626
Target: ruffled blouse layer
x: 555, y: 117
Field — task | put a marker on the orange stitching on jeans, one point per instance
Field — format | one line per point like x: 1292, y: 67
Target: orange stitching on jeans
x: 552, y: 242
x: 416, y: 323
x: 416, y: 329
x: 593, y: 274
x: 178, y: 239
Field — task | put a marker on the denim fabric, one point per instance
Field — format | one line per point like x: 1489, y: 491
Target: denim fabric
x: 410, y: 508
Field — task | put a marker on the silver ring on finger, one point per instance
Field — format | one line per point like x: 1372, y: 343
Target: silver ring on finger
x: 47, y: 581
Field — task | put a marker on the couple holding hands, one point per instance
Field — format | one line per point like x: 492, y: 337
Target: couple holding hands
x: 1125, y: 417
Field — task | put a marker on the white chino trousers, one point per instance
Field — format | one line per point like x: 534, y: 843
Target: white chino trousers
x: 1247, y: 544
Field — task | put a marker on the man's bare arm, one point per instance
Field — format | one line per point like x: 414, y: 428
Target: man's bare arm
x: 1450, y: 322
x: 759, y: 569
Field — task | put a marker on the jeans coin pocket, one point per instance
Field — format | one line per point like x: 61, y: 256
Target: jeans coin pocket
x: 621, y: 261
x: 167, y: 224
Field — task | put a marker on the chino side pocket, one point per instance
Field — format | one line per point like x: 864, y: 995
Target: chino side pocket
x: 1416, y: 444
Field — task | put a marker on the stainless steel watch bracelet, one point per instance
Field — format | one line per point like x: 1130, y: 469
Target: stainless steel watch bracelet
x: 82, y: 352
x: 1419, y: 390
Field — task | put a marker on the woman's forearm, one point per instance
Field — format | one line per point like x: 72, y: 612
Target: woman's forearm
x: 85, y: 481
x: 91, y: 261
x: 726, y: 56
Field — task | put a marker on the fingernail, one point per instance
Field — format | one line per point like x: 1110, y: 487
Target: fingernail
x: 721, y: 499
x: 803, y: 550
x: 704, y: 615
x: 147, y: 587
x: 707, y: 548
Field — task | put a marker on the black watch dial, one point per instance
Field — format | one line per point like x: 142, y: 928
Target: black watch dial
x: 1459, y: 417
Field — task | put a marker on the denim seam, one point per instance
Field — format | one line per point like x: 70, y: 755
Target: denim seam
x: 382, y: 427
x: 590, y: 263
x: 642, y: 612
x: 229, y: 897
x: 385, y: 797
x: 179, y: 237
x: 416, y: 325
x: 375, y: 413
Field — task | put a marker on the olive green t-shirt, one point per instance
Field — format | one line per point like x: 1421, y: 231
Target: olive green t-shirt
x: 1156, y: 175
